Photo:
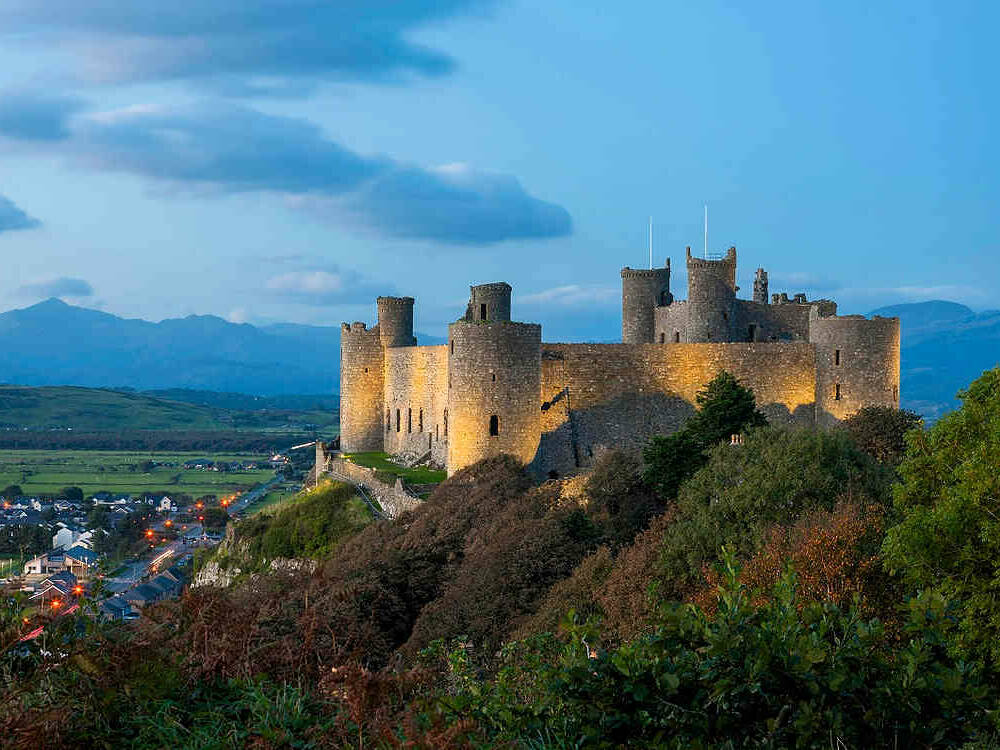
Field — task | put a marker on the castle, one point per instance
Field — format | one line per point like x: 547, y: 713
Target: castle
x: 496, y: 388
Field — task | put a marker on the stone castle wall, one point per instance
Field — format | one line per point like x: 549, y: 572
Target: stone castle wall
x: 494, y: 373
x: 642, y: 292
x: 857, y: 363
x: 361, y: 387
x: 601, y: 396
x: 416, y: 401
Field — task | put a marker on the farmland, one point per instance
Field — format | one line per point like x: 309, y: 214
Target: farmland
x: 46, y: 472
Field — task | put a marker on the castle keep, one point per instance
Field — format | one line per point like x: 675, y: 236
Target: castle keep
x: 495, y: 387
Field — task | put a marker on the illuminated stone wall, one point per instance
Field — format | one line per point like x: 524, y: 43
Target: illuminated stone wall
x: 601, y: 396
x: 416, y: 392
x: 361, y: 386
x: 861, y: 357
x: 494, y: 370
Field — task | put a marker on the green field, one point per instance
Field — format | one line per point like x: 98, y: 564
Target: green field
x: 100, y: 410
x: 380, y: 462
x: 47, y: 472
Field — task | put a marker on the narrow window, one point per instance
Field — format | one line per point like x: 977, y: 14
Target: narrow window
x: 836, y: 393
x: 895, y: 393
x: 493, y: 375
x: 366, y: 369
x: 752, y: 333
x: 437, y: 432
x: 494, y: 425
x: 409, y: 420
x: 677, y: 337
x: 663, y: 338
x: 452, y: 347
x: 446, y: 423
x: 420, y: 421
x: 836, y: 357
x: 388, y: 421
x: 397, y: 420
x: 482, y: 311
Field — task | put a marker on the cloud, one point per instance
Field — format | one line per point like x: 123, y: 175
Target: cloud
x: 798, y: 280
x: 257, y: 45
x: 32, y: 117
x: 63, y: 286
x: 324, y: 287
x: 573, y: 295
x: 13, y: 218
x: 236, y: 149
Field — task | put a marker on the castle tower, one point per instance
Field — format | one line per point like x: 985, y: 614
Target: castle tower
x: 857, y: 364
x: 760, y: 287
x: 489, y: 302
x: 362, y: 359
x: 642, y: 292
x: 711, y: 295
x: 395, y: 321
x: 494, y: 383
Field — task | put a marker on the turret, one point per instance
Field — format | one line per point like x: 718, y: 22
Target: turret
x: 643, y: 290
x: 362, y: 360
x: 395, y: 321
x: 711, y: 293
x: 489, y: 302
x: 760, y: 287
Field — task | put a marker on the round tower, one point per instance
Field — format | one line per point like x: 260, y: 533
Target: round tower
x: 711, y: 293
x: 857, y: 364
x: 490, y: 302
x: 494, y: 391
x: 361, y: 388
x: 395, y: 321
x: 643, y: 290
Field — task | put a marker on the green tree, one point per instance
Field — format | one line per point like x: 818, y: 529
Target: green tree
x: 949, y: 498
x: 74, y: 494
x: 725, y: 408
x: 880, y: 431
x: 12, y: 491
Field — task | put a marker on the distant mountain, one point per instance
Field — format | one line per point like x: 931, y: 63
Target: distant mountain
x: 945, y: 346
x: 53, y: 343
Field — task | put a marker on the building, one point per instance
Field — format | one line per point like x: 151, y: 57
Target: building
x: 496, y: 388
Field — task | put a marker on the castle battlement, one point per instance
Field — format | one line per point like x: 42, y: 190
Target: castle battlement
x: 496, y: 387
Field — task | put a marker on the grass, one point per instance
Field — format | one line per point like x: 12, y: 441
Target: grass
x: 10, y: 564
x: 380, y: 462
x: 41, y: 472
x: 276, y: 497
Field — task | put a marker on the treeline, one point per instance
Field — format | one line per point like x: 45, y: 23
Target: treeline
x: 154, y: 440
x: 805, y: 588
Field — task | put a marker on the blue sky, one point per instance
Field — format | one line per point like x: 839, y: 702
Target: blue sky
x: 287, y: 160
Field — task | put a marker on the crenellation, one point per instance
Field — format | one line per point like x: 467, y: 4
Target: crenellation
x: 496, y: 388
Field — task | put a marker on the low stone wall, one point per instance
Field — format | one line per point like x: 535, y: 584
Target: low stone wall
x: 394, y: 499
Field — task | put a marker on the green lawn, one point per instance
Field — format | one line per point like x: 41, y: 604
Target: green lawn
x: 46, y: 472
x: 380, y: 462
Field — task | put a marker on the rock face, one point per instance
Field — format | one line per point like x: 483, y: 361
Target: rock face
x: 232, y: 562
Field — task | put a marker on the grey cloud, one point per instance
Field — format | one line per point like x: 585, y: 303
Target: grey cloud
x: 324, y: 287
x: 34, y: 117
x: 236, y: 149
x: 123, y: 40
x: 62, y: 287
x: 13, y: 218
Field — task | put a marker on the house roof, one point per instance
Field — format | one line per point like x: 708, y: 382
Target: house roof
x: 84, y: 555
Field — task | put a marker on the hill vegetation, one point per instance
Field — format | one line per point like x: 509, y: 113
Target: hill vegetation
x: 803, y: 589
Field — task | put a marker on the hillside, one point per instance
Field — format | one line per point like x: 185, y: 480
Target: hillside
x: 98, y: 410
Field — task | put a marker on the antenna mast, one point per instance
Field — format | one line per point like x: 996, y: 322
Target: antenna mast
x: 650, y: 243
x: 706, y: 231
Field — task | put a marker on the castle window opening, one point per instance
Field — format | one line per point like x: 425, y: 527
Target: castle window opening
x: 663, y: 338
x: 677, y: 337
x: 836, y: 357
x: 452, y: 347
x: 420, y: 421
x: 446, y: 423
x: 895, y: 393
x: 409, y: 420
x: 437, y: 432
x: 752, y: 333
x: 366, y: 369
x: 397, y: 420
x: 493, y: 376
x: 836, y: 392
x: 494, y: 425
x: 482, y: 311
x: 388, y: 421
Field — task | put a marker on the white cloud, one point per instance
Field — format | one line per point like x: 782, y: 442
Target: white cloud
x: 573, y: 295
